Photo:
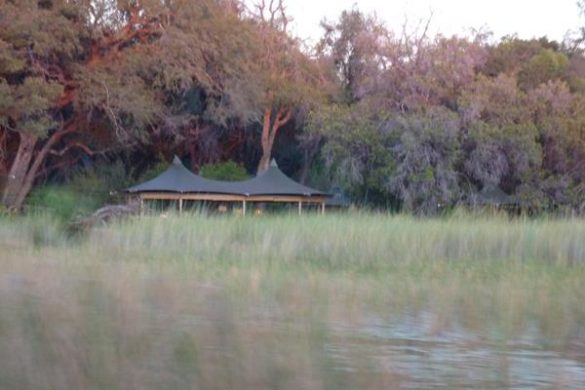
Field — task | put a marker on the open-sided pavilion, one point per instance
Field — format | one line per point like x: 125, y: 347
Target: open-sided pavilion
x: 179, y: 184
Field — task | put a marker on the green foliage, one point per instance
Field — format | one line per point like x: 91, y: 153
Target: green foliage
x: 495, y: 100
x: 402, y: 158
x: 153, y: 171
x: 128, y: 100
x: 357, y: 141
x: 28, y: 104
x: 509, y: 55
x: 9, y: 63
x: 545, y: 66
x: 426, y: 180
x: 103, y: 181
x: 455, y: 116
x: 84, y: 192
x: 62, y: 202
x: 228, y: 171
x: 33, y: 36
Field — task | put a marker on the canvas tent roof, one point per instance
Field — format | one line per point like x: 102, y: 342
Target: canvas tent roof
x: 273, y: 182
x: 177, y: 178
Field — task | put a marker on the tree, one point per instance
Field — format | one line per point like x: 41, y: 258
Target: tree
x: 357, y: 144
x: 426, y: 179
x: 45, y: 44
x: 509, y: 55
x: 427, y: 73
x: 559, y: 116
x: 575, y: 43
x: 397, y: 119
x: 286, y: 77
x: 38, y: 41
x: 189, y: 82
x: 118, y: 71
x: 547, y: 65
x: 501, y: 140
x: 354, y: 47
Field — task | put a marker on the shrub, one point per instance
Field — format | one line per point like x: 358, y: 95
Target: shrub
x: 84, y: 192
x: 228, y: 170
x: 61, y: 201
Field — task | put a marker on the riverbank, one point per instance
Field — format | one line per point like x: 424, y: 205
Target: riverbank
x: 340, y: 301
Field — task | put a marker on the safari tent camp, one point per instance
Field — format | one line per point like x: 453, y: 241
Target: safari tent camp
x: 179, y: 184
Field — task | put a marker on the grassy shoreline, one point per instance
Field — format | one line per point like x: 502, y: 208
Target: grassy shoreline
x: 279, y: 283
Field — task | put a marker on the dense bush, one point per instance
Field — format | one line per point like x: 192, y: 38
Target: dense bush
x: 85, y: 191
x: 62, y: 202
x: 228, y: 170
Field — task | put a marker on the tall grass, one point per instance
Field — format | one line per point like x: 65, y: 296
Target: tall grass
x: 223, y: 302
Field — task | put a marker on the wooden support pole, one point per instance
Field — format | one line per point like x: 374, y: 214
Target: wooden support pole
x: 300, y: 207
x: 243, y: 207
x: 141, y: 205
x: 323, y: 208
x: 180, y: 205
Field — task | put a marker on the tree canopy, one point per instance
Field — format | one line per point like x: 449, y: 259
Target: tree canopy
x: 397, y: 119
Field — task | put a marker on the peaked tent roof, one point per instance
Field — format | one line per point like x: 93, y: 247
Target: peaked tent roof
x: 274, y: 182
x: 177, y: 178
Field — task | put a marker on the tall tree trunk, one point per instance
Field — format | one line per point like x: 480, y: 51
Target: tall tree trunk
x: 18, y: 171
x: 270, y: 128
x: 26, y: 165
x: 265, y: 141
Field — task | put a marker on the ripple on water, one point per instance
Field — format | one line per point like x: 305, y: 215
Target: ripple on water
x: 456, y: 358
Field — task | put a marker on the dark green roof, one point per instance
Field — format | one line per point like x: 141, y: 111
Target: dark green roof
x: 273, y: 182
x: 177, y: 178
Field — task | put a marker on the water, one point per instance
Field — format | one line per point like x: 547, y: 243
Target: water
x: 172, y: 336
x: 410, y: 349
x: 415, y: 352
